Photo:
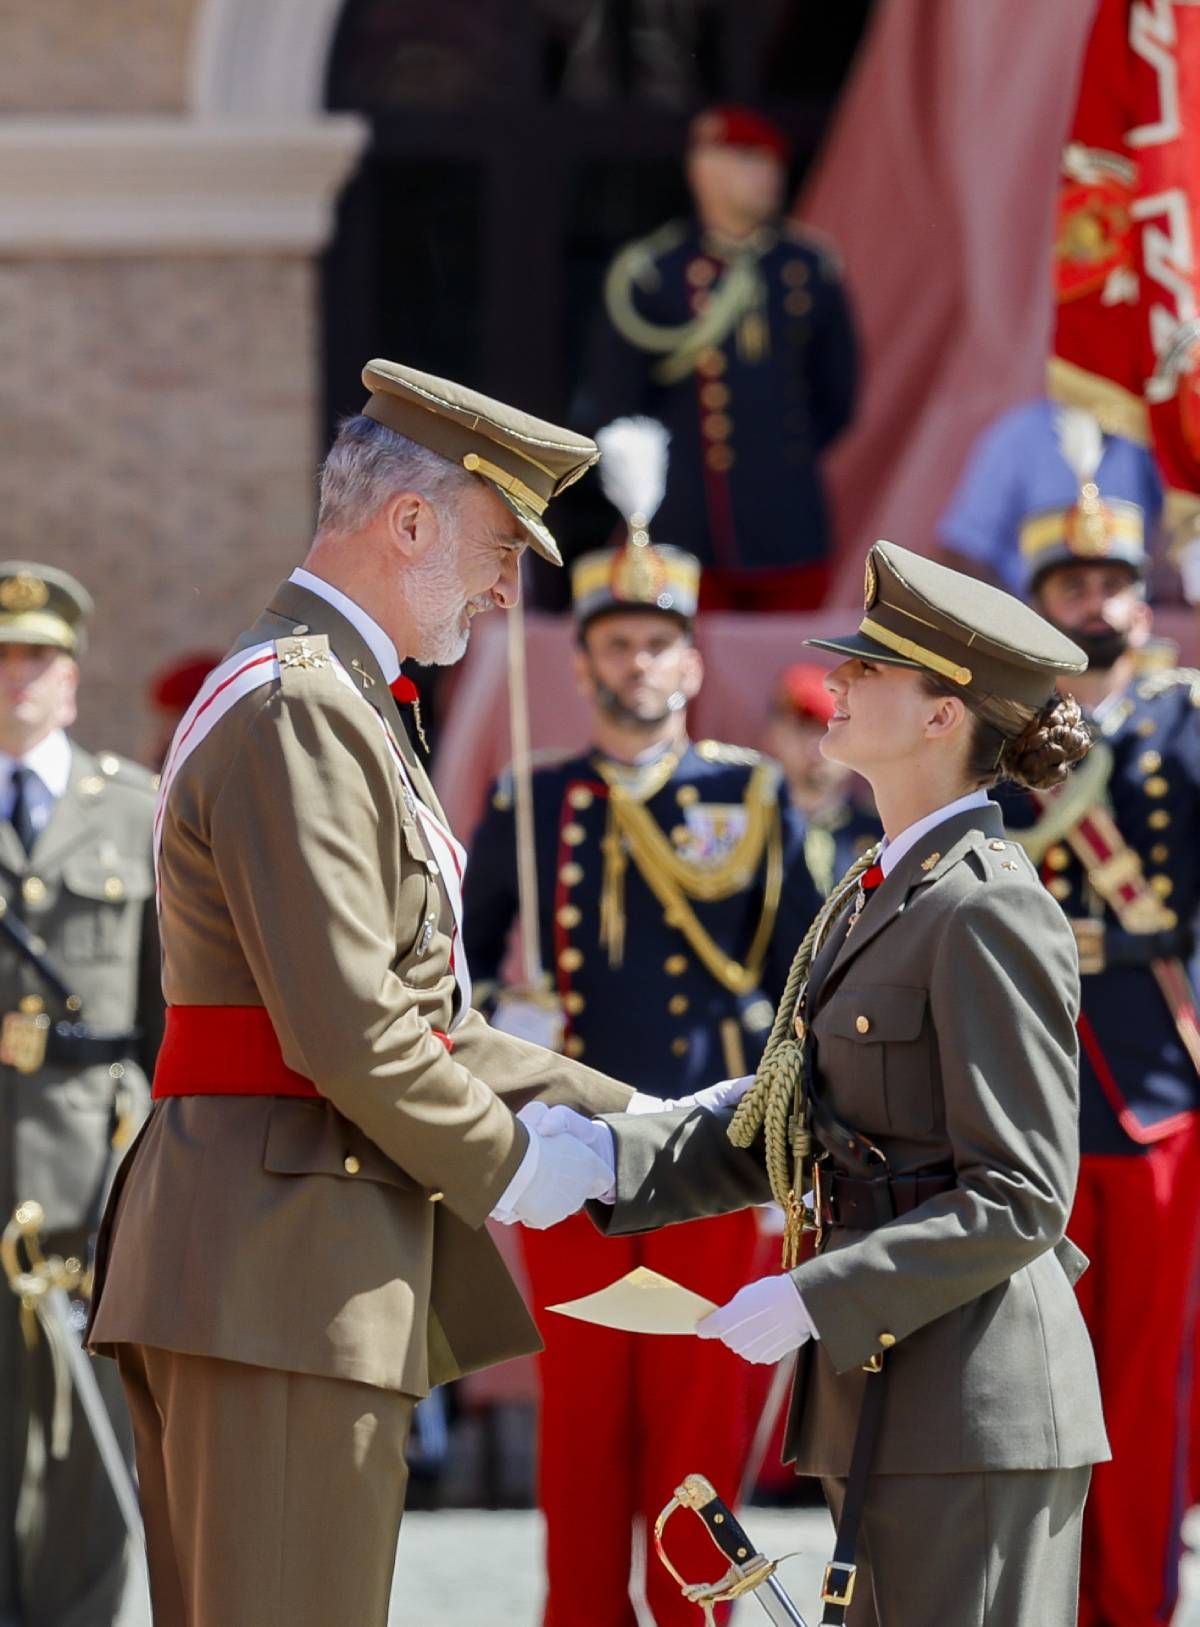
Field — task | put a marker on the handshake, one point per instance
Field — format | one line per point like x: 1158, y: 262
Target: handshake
x: 572, y: 1159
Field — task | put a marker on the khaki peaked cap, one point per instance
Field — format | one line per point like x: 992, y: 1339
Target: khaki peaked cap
x: 527, y: 460
x: 40, y: 604
x: 918, y: 613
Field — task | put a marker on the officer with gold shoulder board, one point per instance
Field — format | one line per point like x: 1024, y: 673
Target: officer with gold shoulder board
x: 82, y: 1017
x: 1117, y: 848
x: 671, y: 884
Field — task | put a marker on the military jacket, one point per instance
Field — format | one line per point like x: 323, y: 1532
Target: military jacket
x: 86, y: 894
x: 342, y: 1237
x: 943, y: 1028
x: 680, y: 1026
x: 749, y: 419
x: 1137, y: 1080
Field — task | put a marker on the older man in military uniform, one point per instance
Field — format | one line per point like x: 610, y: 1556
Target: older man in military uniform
x: 82, y: 1004
x: 1117, y: 847
x: 734, y: 330
x: 295, y: 1250
x: 672, y: 891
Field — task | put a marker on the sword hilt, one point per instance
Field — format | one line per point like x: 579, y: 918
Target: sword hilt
x: 748, y: 1569
x: 30, y: 1281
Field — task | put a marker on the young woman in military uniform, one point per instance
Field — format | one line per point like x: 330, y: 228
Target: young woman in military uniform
x: 920, y: 1094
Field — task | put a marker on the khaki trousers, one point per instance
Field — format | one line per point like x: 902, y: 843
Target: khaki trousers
x: 968, y: 1550
x: 271, y: 1499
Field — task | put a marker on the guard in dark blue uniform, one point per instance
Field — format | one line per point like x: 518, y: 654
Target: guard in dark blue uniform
x: 734, y: 330
x: 672, y: 891
x: 1118, y: 848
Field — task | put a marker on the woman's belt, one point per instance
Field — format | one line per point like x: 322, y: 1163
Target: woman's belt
x: 229, y: 1051
x: 861, y: 1204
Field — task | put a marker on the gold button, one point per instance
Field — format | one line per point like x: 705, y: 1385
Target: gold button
x: 719, y: 458
x: 502, y: 802
x: 680, y: 835
x: 679, y: 1047
x: 1159, y: 819
x: 91, y: 786
x: 573, y: 834
x: 571, y: 874
x: 568, y: 916
x: 1163, y: 885
x: 797, y: 303
x: 887, y: 1340
x: 1058, y: 857
x: 687, y: 795
x: 574, y: 1002
x: 1160, y: 853
x: 33, y: 889
x: 74, y: 1003
x: 108, y: 764
x: 675, y: 965
x: 1060, y: 888
x: 351, y: 1164
x: 574, y: 1045
x: 1150, y: 762
x: 580, y: 797
x: 998, y: 847
x: 1147, y: 727
x: 710, y: 363
x: 1169, y: 919
x: 714, y: 396
x: 436, y: 1197
x: 571, y: 959
x: 718, y: 426
x: 795, y: 273
x: 431, y: 866
x: 863, y: 1024
x: 677, y: 1004
x: 114, y: 887
x: 1156, y: 786
x: 116, y: 1070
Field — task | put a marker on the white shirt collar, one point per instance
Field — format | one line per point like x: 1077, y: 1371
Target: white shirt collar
x: 50, y: 760
x: 893, y: 852
x: 376, y: 640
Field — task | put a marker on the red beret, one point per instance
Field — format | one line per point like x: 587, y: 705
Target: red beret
x: 176, y: 686
x: 801, y: 689
x: 733, y: 126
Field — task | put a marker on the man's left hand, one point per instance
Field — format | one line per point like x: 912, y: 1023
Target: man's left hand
x: 763, y: 1321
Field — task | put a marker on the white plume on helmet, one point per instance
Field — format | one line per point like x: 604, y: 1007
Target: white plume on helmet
x: 1081, y: 442
x: 633, y: 467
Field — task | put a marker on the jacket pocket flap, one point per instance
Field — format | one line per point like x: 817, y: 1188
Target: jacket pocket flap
x: 306, y: 1138
x: 113, y: 881
x: 875, y: 1014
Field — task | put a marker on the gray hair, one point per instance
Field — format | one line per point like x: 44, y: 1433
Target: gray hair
x: 368, y: 463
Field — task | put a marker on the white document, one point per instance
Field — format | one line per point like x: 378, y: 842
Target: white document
x: 642, y: 1301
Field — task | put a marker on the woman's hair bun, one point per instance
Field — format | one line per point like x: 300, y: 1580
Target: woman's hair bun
x: 1050, y: 743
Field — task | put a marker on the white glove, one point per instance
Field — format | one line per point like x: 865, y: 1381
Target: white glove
x: 725, y: 1094
x: 557, y: 1176
x: 763, y: 1321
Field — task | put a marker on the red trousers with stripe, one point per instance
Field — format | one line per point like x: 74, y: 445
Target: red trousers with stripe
x: 624, y: 1417
x: 1138, y: 1219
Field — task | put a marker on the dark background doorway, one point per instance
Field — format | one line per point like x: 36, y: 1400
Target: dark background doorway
x: 516, y: 144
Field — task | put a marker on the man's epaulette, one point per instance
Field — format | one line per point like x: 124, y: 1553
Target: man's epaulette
x: 719, y: 751
x: 504, y: 790
x: 639, y: 259
x: 825, y: 249
x: 114, y: 770
x: 300, y: 655
x: 1158, y: 683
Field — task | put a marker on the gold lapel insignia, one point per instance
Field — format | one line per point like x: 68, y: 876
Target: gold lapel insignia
x: 367, y: 681
x: 928, y: 864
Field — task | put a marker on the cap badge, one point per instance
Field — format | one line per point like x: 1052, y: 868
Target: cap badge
x: 870, y: 585
x: 637, y: 574
x: 23, y: 592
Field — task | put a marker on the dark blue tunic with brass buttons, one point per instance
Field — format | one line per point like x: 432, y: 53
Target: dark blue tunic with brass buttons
x: 1136, y: 1076
x: 751, y: 412
x: 659, y: 1018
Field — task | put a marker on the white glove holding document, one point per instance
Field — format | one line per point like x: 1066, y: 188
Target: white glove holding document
x: 726, y: 1093
x: 560, y: 1171
x: 763, y: 1321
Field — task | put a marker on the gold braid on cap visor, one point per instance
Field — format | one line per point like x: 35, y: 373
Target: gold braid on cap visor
x: 915, y: 652
x: 501, y: 477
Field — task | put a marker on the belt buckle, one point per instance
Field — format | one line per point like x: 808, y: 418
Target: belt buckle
x: 838, y: 1593
x: 24, y: 1034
